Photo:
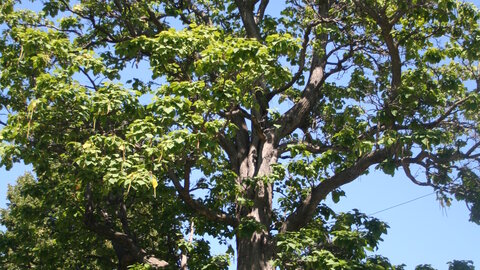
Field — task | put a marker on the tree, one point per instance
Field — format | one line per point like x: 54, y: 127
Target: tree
x: 45, y: 228
x: 40, y: 235
x: 424, y: 267
x: 461, y: 265
x: 254, y: 120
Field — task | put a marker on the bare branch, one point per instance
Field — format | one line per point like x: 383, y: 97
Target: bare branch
x: 408, y: 173
x: 339, y: 65
x: 468, y: 154
x: 92, y: 82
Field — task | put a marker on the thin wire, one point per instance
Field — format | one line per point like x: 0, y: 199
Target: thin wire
x: 403, y: 203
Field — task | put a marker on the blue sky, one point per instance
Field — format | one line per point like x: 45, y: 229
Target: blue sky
x: 420, y: 232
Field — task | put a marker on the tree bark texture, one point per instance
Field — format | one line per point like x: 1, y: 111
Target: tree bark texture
x: 255, y: 252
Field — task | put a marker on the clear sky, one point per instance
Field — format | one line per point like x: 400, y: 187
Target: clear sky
x: 420, y: 232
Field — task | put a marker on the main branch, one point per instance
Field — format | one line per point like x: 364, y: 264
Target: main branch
x: 304, y: 213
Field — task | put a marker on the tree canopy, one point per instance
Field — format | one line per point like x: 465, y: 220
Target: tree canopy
x: 248, y: 122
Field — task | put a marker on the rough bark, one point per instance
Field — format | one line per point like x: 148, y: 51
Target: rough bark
x: 255, y: 252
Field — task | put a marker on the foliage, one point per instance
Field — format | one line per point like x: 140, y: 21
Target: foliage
x: 246, y: 124
x: 460, y: 265
x: 424, y: 267
x: 340, y: 241
x: 40, y: 234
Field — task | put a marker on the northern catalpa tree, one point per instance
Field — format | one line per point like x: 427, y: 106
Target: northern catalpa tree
x: 248, y: 122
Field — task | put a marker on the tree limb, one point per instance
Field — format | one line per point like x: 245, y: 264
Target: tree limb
x: 154, y: 19
x: 199, y: 207
x: 469, y: 152
x: 261, y: 11
x: 229, y: 147
x: 92, y: 82
x: 304, y: 213
x: 408, y: 173
x: 386, y: 28
x: 311, y: 94
x: 246, y: 13
x: 446, y: 114
x: 312, y: 147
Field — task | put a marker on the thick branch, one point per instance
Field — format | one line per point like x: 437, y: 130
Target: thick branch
x: 229, y: 147
x: 236, y: 149
x: 293, y: 118
x: 242, y: 141
x: 313, y: 147
x: 305, y: 212
x: 246, y: 13
x: 199, y: 207
x: 386, y: 27
x: 122, y: 215
x: 396, y: 62
x: 257, y: 127
x: 311, y: 94
x: 154, y: 19
x: 261, y: 11
x: 202, y: 14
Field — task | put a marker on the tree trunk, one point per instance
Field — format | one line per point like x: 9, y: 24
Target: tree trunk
x: 255, y: 252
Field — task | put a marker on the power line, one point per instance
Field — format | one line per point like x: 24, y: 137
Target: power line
x: 403, y: 203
